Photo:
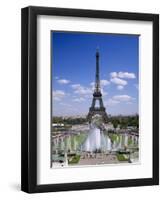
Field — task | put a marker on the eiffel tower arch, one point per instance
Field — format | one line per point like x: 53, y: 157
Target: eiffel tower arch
x: 97, y: 97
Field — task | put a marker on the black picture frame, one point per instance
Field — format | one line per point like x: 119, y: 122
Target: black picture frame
x: 29, y: 99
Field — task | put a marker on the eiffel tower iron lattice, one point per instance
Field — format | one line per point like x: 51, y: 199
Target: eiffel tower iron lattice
x: 97, y: 96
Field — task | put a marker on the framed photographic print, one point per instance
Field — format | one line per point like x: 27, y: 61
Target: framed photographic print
x: 90, y: 99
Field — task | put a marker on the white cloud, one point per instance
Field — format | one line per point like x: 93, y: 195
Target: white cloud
x: 79, y: 89
x: 83, y: 91
x: 79, y: 99
x: 111, y: 102
x: 118, y: 99
x: 120, y: 87
x: 104, y: 82
x: 118, y: 78
x: 118, y: 81
x: 58, y: 95
x: 76, y: 86
x: 122, y: 98
x: 113, y: 74
x: 63, y: 81
x: 126, y: 75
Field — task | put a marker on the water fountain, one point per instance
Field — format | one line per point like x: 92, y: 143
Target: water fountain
x: 96, y: 140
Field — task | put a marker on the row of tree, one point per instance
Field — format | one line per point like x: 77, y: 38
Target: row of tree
x: 69, y: 121
x: 125, y: 121
x: 117, y: 121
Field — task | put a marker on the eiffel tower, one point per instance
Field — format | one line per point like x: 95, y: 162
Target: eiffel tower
x: 97, y: 96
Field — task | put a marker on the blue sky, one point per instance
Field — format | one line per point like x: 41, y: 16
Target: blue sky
x: 73, y: 72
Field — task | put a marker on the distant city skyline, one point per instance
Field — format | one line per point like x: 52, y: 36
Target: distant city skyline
x: 73, y: 72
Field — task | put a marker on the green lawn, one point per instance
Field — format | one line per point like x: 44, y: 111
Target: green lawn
x: 130, y: 141
x: 114, y: 137
x: 122, y: 157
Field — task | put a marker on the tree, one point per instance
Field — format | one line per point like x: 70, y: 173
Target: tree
x: 115, y: 123
x: 124, y: 124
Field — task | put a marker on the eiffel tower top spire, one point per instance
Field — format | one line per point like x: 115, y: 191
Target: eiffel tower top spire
x: 97, y: 77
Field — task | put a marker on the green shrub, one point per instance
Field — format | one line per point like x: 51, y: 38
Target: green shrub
x: 122, y: 157
x: 74, y: 160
